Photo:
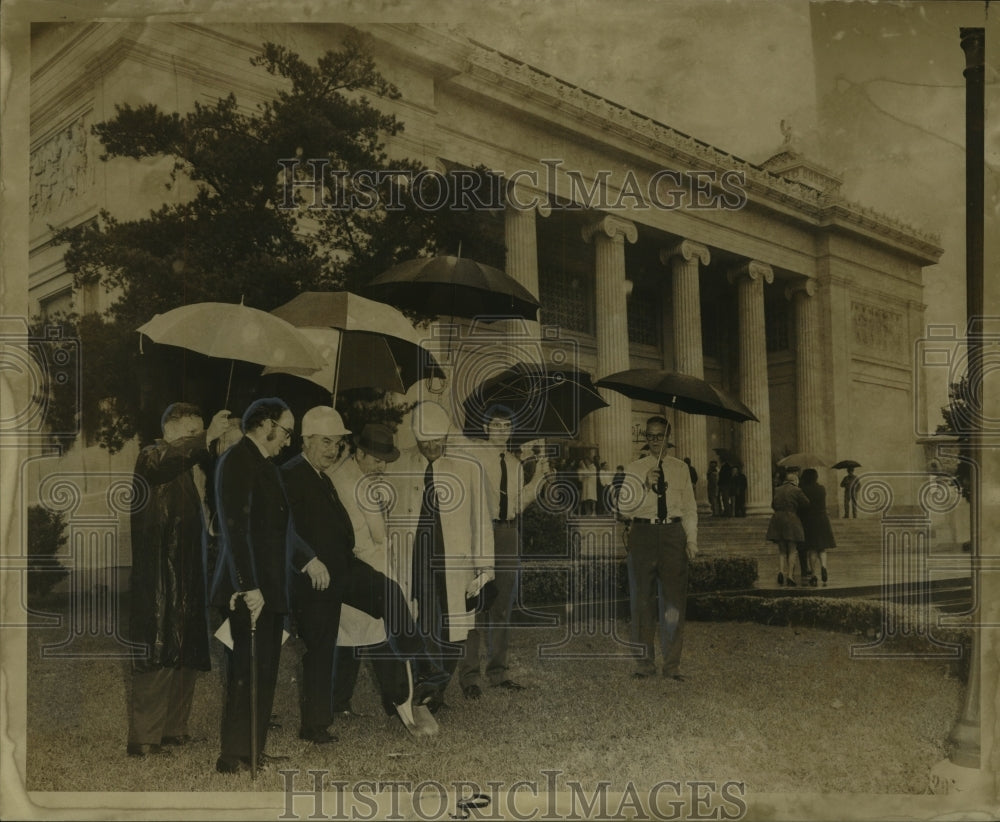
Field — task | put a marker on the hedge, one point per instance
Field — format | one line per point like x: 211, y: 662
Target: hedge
x: 545, y: 582
x: 860, y: 617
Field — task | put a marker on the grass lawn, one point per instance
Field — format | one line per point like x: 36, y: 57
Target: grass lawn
x: 780, y: 709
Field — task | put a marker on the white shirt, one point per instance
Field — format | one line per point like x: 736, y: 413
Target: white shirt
x: 639, y: 501
x: 519, y: 495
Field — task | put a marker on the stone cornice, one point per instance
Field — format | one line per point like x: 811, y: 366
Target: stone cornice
x: 553, y: 97
x: 753, y: 270
x: 614, y: 228
x: 688, y: 249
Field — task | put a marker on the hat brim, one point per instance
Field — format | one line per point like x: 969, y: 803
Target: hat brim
x: 384, y: 454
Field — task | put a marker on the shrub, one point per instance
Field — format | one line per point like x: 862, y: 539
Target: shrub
x: 46, y: 538
x: 545, y: 582
x: 544, y: 531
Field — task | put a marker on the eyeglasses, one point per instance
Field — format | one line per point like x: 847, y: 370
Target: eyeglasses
x: 288, y: 431
x: 656, y: 437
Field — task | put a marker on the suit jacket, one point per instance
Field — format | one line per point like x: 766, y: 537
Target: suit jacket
x: 323, y: 528
x: 466, y: 526
x: 255, y: 541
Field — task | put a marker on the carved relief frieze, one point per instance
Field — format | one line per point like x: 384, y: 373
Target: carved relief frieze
x: 62, y: 167
x: 878, y: 330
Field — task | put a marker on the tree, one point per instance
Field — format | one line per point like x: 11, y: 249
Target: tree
x: 958, y: 415
x: 235, y: 238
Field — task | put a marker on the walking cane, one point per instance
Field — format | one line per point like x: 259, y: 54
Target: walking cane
x: 253, y: 699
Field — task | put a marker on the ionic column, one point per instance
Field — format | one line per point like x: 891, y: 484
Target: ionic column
x: 808, y: 379
x: 612, y: 425
x: 689, y: 434
x: 749, y: 279
x: 522, y: 256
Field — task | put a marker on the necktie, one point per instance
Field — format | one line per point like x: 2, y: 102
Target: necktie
x: 328, y: 484
x: 661, y: 493
x: 427, y: 535
x: 503, y: 487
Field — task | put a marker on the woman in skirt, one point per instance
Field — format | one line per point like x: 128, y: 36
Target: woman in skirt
x: 816, y: 522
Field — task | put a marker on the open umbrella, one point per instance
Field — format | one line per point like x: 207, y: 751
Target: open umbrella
x: 542, y: 401
x: 234, y: 332
x: 802, y: 459
x: 847, y: 464
x: 679, y: 391
x: 364, y: 343
x: 453, y: 286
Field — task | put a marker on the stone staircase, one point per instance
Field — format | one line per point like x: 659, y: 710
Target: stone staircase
x: 744, y: 536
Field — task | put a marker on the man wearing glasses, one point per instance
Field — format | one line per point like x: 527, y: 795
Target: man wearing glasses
x: 250, y: 582
x: 658, y: 500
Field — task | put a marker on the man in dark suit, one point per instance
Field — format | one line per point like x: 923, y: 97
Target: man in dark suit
x: 169, y: 615
x: 250, y: 577
x: 333, y: 575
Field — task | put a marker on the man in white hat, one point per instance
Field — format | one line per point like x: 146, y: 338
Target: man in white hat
x: 442, y: 511
x: 332, y: 575
x: 321, y: 521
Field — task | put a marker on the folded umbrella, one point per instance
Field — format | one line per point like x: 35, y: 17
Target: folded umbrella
x: 847, y: 464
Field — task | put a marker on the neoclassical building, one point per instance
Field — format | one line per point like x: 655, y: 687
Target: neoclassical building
x: 647, y: 247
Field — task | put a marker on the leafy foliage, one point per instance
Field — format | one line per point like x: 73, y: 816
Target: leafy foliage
x: 46, y: 538
x: 961, y: 410
x: 245, y: 233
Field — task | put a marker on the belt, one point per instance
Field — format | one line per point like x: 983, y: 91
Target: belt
x: 505, y: 523
x: 667, y: 521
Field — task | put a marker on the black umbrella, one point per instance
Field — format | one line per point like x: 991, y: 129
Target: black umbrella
x: 452, y: 286
x: 542, y: 401
x: 847, y: 464
x: 679, y: 391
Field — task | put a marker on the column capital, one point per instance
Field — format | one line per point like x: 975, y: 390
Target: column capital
x: 688, y: 249
x: 807, y: 287
x: 753, y: 270
x: 521, y: 198
x: 615, y: 228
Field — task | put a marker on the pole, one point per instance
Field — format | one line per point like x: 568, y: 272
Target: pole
x: 965, y: 735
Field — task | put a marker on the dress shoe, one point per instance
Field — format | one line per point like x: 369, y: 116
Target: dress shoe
x: 642, y: 674
x: 349, y: 714
x: 823, y: 573
x: 231, y: 764
x: 678, y: 677
x: 790, y: 582
x: 436, y: 704
x: 318, y: 736
x: 472, y: 692
x: 424, y: 692
x: 142, y: 751
x: 510, y: 685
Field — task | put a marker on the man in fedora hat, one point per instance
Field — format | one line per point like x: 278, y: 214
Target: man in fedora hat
x: 441, y: 510
x: 332, y: 575
x: 363, y: 636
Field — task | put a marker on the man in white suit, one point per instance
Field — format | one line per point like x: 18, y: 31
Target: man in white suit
x: 441, y: 513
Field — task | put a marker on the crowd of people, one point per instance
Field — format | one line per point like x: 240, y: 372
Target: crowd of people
x: 304, y: 543
x: 408, y: 558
